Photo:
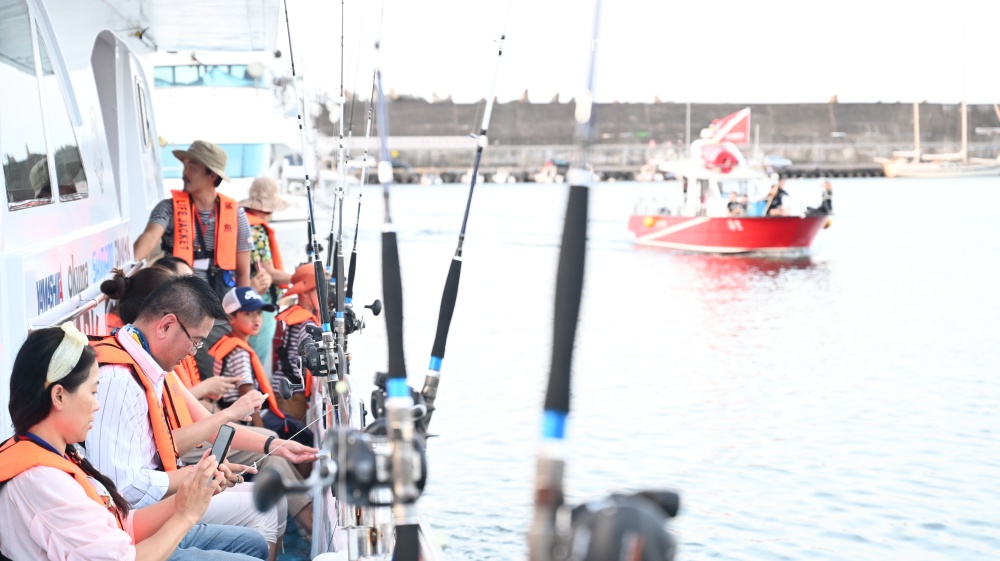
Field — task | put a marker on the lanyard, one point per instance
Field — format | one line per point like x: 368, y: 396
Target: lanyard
x: 202, y: 230
x: 37, y: 440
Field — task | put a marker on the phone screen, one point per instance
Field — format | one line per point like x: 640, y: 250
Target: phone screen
x: 221, y: 447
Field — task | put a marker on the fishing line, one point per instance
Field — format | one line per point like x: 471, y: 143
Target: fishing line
x: 285, y: 441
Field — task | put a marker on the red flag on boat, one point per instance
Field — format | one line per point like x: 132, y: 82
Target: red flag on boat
x: 734, y: 128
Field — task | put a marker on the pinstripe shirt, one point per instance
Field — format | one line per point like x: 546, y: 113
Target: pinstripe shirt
x: 121, y: 443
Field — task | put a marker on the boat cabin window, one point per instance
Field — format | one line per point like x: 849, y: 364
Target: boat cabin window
x: 244, y: 160
x: 70, y: 176
x: 218, y: 76
x: 22, y: 132
x: 143, y: 106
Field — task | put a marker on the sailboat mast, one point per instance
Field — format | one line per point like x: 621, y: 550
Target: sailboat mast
x: 965, y: 133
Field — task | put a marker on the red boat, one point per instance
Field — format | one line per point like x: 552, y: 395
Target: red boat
x: 721, y: 204
x: 744, y: 234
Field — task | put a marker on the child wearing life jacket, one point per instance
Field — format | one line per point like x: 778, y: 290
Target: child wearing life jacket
x: 289, y: 335
x: 235, y: 357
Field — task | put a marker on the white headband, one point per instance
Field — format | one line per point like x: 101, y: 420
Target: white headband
x: 67, y: 354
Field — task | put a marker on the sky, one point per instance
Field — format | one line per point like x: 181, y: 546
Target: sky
x: 707, y: 51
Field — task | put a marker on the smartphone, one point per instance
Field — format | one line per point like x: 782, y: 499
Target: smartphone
x: 221, y: 447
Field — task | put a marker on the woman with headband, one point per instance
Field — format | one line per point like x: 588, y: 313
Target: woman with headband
x: 55, y: 505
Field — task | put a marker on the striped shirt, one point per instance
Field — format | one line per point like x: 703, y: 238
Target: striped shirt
x: 163, y: 214
x: 236, y: 363
x: 121, y: 443
x: 292, y: 339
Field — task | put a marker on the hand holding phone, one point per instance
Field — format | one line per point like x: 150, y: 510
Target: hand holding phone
x: 220, y: 449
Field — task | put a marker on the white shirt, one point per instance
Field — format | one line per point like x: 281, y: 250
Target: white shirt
x: 45, y: 514
x: 121, y: 443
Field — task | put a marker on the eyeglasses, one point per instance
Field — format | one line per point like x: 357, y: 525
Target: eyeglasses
x: 195, y: 345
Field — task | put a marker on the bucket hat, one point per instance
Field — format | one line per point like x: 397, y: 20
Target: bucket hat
x: 263, y: 196
x: 211, y: 155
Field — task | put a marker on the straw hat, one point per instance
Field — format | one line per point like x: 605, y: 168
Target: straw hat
x: 211, y: 155
x: 263, y: 196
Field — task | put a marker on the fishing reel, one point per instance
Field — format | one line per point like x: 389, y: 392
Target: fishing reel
x: 311, y: 352
x: 379, y: 396
x: 621, y: 527
x: 360, y: 463
x: 353, y: 322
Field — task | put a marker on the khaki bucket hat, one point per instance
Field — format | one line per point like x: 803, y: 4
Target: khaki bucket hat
x: 211, y: 155
x: 263, y: 196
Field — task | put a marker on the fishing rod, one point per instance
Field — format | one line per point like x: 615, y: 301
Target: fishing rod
x: 620, y: 526
x: 450, y: 294
x: 339, y: 193
x: 375, y: 306
x: 321, y: 347
x: 352, y: 267
x: 399, y: 402
x: 337, y: 263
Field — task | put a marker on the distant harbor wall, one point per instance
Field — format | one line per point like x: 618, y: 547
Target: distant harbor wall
x: 627, y: 134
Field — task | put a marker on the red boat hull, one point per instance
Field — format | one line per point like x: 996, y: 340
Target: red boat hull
x: 773, y: 234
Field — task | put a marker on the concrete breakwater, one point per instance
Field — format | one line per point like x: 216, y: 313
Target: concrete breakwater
x: 820, y: 138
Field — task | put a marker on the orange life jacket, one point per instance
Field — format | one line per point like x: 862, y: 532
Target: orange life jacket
x: 174, y: 405
x: 225, y: 229
x: 187, y: 372
x: 221, y: 349
x: 18, y: 455
x: 255, y: 220
x: 110, y: 351
x: 292, y: 315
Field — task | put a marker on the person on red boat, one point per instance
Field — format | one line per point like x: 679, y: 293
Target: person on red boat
x: 826, y: 205
x: 737, y: 205
x: 776, y: 198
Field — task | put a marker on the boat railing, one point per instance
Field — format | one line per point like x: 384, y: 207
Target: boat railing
x: 80, y: 304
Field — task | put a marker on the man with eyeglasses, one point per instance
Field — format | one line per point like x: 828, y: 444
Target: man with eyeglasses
x: 133, y: 363
x: 131, y: 440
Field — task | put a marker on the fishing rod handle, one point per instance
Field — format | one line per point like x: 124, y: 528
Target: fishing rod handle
x: 448, y: 298
x: 543, y: 537
x: 429, y: 393
x: 392, y: 287
x: 569, y: 291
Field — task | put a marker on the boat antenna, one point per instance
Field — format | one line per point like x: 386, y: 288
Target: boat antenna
x: 544, y: 540
x: 450, y: 294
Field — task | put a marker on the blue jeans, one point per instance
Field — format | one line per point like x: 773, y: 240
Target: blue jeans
x: 223, y: 543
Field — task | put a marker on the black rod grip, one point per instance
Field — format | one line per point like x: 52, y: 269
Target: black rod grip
x: 321, y: 294
x: 339, y: 267
x: 392, y: 288
x: 350, y: 273
x: 569, y: 290
x: 448, y: 298
x: 407, y: 543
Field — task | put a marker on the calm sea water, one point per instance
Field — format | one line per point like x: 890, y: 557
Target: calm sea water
x: 842, y: 405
